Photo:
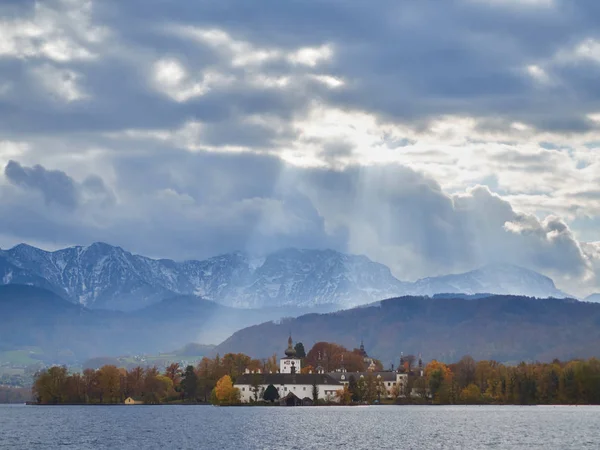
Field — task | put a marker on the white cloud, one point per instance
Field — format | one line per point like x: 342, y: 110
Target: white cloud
x: 58, y: 30
x: 64, y: 84
x: 311, y: 56
x: 328, y: 80
x: 173, y: 79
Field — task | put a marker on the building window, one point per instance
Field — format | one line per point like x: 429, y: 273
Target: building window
x: 285, y: 389
x: 304, y: 388
x: 389, y: 384
x: 243, y: 389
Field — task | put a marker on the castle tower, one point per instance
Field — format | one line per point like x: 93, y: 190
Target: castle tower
x: 291, y: 363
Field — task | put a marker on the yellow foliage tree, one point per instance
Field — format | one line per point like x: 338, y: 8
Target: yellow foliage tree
x: 225, y: 393
x: 471, y: 394
x: 344, y: 396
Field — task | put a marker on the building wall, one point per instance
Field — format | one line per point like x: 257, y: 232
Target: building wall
x: 285, y: 365
x: 326, y: 392
x: 400, y: 381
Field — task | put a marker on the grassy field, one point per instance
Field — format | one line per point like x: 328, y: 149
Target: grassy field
x: 25, y: 357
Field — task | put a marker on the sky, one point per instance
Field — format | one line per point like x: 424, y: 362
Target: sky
x: 432, y: 136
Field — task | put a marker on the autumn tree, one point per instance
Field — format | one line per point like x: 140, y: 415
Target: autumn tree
x: 49, y: 386
x: 270, y: 364
x: 465, y: 371
x: 344, y: 396
x: 173, y: 372
x: 225, y: 392
x: 439, y: 379
x: 471, y: 395
x: 307, y: 369
x: 135, y: 382
x: 109, y: 379
x: 327, y: 355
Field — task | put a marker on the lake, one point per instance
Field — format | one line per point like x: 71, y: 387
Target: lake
x: 369, y: 427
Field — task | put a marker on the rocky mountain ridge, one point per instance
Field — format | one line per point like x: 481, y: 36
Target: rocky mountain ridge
x: 102, y: 276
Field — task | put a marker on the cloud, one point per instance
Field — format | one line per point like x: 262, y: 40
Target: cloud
x: 431, y: 137
x: 186, y: 205
x: 55, y: 186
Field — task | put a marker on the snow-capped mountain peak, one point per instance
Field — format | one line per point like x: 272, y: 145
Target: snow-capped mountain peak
x: 105, y: 276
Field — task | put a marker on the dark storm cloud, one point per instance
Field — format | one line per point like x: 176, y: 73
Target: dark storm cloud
x: 55, y: 185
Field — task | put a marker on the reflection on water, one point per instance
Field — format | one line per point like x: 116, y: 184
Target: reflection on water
x: 405, y: 427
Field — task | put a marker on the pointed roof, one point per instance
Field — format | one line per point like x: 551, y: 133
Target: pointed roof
x: 290, y: 352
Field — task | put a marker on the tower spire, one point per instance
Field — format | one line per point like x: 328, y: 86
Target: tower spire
x: 290, y: 351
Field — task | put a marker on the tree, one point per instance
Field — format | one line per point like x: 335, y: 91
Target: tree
x: 315, y: 393
x: 380, y: 389
x: 255, y: 385
x: 271, y: 394
x: 409, y: 362
x: 307, y: 369
x: 439, y: 378
x: 344, y: 396
x: 173, y: 371
x: 109, y: 379
x: 49, y: 385
x: 225, y: 392
x: 465, y: 371
x: 189, y: 383
x: 300, y: 352
x: 353, y: 387
x: 471, y: 395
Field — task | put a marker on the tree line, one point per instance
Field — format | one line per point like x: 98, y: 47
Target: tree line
x: 475, y: 382
x: 212, y: 380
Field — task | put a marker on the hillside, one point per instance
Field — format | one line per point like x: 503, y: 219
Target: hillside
x: 504, y: 328
x: 34, y: 317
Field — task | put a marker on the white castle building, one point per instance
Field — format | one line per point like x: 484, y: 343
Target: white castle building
x: 296, y: 388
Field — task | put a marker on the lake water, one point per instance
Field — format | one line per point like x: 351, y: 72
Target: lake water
x: 370, y: 427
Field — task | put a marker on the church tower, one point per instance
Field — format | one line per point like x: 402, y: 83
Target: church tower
x: 291, y: 363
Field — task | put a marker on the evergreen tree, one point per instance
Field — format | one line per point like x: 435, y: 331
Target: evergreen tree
x: 300, y: 352
x: 352, y: 385
x: 189, y: 383
x: 315, y: 393
x: 271, y: 394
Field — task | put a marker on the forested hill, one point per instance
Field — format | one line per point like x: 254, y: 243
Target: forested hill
x: 503, y: 328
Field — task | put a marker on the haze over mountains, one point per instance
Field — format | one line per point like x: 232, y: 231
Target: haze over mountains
x: 64, y: 331
x: 101, y: 276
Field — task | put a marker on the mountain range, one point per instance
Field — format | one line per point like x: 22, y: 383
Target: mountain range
x: 593, y: 298
x: 101, y: 276
x: 504, y: 328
